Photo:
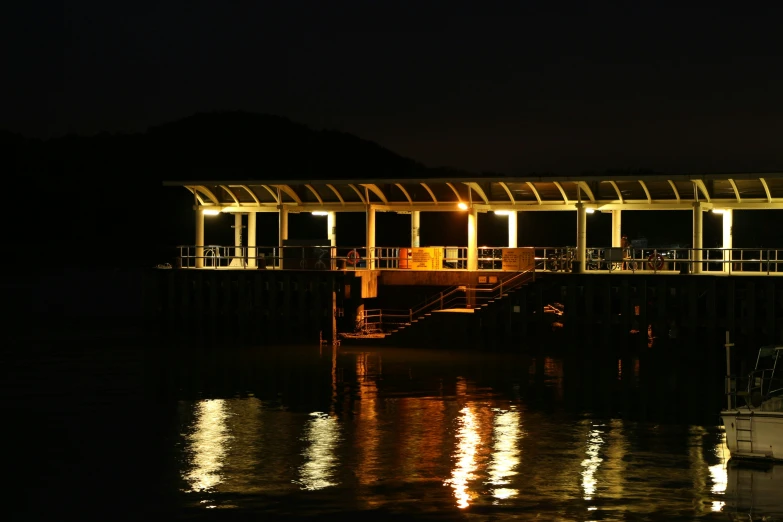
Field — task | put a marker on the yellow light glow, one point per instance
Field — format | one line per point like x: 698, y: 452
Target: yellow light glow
x: 590, y: 210
x: 210, y: 212
x: 208, y: 445
x: 718, y: 211
x: 502, y: 212
x: 462, y: 206
x: 323, y: 435
x: 320, y: 213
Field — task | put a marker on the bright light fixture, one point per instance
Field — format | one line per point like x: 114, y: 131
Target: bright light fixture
x: 210, y: 212
x: 589, y: 210
x: 320, y: 213
x: 502, y: 212
x: 718, y: 211
x: 462, y: 206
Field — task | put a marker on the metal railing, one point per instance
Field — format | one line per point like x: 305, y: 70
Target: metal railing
x: 553, y: 259
x: 313, y: 257
x: 680, y: 260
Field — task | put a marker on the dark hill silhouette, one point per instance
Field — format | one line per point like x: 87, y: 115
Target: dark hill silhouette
x: 215, y: 146
x: 252, y: 146
x: 104, y: 192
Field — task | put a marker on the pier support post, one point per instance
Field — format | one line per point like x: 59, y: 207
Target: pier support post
x: 331, y: 228
x: 282, y: 235
x: 512, y: 229
x: 238, y: 237
x: 581, y: 237
x: 251, y: 240
x: 697, y: 237
x: 370, y: 237
x: 199, y: 237
x: 617, y: 235
x: 472, y: 239
x: 331, y: 233
x: 728, y: 224
x: 415, y: 228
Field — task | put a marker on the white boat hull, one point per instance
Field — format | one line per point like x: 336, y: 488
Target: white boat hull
x: 754, y: 434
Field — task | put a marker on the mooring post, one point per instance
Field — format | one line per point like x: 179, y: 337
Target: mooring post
x: 334, y: 317
x: 729, y: 384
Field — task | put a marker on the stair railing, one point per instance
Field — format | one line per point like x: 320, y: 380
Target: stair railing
x: 455, y: 296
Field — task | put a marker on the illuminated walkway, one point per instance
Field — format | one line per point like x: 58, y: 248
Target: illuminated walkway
x: 717, y: 193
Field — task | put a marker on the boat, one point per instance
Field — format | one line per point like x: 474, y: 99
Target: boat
x: 753, y: 491
x: 753, y: 417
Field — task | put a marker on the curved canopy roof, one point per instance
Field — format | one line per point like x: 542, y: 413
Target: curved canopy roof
x: 638, y: 192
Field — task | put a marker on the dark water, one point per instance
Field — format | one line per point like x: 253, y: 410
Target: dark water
x: 109, y: 427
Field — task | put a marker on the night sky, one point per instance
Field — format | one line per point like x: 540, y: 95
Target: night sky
x: 510, y: 87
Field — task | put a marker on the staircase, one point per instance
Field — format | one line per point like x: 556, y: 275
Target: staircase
x: 461, y: 298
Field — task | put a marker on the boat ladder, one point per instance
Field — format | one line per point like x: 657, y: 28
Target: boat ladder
x: 744, y: 434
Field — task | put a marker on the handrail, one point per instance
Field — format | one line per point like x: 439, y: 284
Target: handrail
x: 442, y: 301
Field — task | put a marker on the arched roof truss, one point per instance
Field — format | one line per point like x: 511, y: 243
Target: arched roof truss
x: 231, y: 193
x: 609, y: 192
x: 510, y: 195
x: 407, y: 196
x: 336, y: 193
x: 377, y: 191
x: 315, y: 193
x: 358, y: 193
x: 251, y: 194
x: 562, y: 191
x: 478, y: 190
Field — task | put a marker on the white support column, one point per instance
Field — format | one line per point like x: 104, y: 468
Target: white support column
x: 251, y: 240
x: 617, y: 234
x: 238, y: 235
x: 472, y: 239
x: 370, y: 238
x: 512, y: 229
x: 581, y: 236
x: 415, y: 228
x: 728, y: 239
x: 697, y: 237
x: 331, y: 228
x: 282, y: 234
x: 282, y: 223
x: 331, y: 233
x: 199, y: 238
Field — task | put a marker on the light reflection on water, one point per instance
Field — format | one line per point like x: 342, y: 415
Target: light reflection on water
x: 718, y: 473
x: 208, y: 444
x: 322, y: 435
x: 591, y: 463
x: 465, y: 456
x: 506, y: 434
x: 395, y: 441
